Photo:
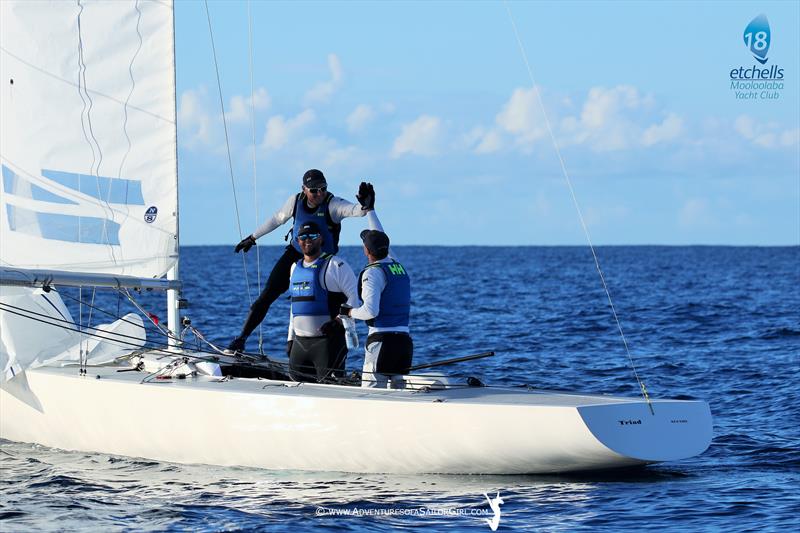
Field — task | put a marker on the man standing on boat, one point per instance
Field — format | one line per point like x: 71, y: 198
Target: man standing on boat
x: 319, y: 283
x: 315, y: 204
x: 385, y: 289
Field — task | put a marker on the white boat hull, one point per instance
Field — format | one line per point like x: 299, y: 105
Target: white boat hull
x: 275, y: 425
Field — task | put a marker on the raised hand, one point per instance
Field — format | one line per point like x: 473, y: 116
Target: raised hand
x: 366, y: 196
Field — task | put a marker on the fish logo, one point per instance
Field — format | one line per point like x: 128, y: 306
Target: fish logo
x: 757, y: 37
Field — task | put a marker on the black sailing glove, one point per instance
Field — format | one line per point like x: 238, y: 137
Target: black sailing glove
x: 366, y: 196
x: 246, y: 243
x: 332, y: 328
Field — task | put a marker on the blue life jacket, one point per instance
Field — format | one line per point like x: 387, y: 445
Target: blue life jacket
x: 395, y: 298
x: 309, y: 296
x: 321, y: 216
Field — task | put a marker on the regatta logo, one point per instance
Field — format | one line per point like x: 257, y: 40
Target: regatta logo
x: 756, y: 82
x: 757, y: 36
x: 630, y: 422
x: 151, y: 214
x: 397, y: 269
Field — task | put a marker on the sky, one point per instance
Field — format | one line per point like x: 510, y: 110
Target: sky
x: 432, y: 102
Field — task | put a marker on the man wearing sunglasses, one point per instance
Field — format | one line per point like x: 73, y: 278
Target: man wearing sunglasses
x: 385, y: 288
x: 313, y: 204
x: 319, y: 284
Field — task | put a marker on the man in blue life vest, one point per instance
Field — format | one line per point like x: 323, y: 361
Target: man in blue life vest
x: 313, y: 204
x: 385, y: 289
x: 319, y: 284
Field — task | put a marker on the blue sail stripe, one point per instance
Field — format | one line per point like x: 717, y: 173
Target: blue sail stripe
x: 69, y: 228
x: 112, y: 190
x: 12, y: 183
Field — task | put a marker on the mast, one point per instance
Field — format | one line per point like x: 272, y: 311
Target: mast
x: 174, y: 300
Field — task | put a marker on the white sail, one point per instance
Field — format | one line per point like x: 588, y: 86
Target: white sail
x: 88, y: 138
x: 36, y: 329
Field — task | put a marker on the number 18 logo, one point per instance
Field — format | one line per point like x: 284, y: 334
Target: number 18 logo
x: 757, y: 36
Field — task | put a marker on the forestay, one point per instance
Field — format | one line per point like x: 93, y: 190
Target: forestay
x: 88, y: 139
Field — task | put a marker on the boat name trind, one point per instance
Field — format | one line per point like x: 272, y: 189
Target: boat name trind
x: 629, y: 422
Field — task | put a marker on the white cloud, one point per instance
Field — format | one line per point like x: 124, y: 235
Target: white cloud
x: 522, y: 116
x: 280, y: 130
x: 613, y: 119
x: 766, y: 135
x: 193, y: 118
x: 327, y: 153
x: 321, y: 93
x: 607, y: 121
x: 604, y: 106
x: 480, y: 140
x: 239, y: 109
x: 360, y: 117
x: 669, y: 129
x: 421, y: 137
x: 490, y: 142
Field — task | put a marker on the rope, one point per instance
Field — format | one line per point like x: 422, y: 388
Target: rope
x: 228, y: 147
x: 577, y: 207
x: 255, y: 169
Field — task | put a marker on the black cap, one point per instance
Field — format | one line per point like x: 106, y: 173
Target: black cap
x: 377, y: 242
x: 307, y: 228
x: 314, y: 178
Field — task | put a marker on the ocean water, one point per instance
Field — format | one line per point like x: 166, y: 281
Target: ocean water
x: 717, y: 323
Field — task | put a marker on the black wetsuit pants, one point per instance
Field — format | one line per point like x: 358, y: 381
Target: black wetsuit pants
x: 317, y: 358
x: 277, y: 284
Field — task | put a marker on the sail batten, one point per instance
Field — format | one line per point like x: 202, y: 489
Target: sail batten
x: 87, y: 145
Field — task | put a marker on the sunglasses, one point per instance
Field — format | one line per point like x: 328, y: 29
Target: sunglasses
x: 312, y: 236
x: 316, y: 190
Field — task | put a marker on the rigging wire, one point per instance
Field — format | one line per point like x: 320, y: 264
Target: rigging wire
x: 577, y: 206
x: 80, y: 329
x: 164, y: 350
x: 228, y: 147
x: 100, y: 333
x: 255, y: 169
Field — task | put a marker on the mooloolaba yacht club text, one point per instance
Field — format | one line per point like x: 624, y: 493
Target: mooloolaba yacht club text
x: 754, y: 83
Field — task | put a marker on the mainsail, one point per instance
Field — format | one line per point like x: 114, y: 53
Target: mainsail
x: 88, y: 169
x: 88, y: 161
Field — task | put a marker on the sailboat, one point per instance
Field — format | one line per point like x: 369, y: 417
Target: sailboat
x: 89, y: 199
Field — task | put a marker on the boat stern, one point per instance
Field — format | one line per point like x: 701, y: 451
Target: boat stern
x: 673, y: 430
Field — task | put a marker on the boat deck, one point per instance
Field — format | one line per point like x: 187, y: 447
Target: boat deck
x: 461, y: 394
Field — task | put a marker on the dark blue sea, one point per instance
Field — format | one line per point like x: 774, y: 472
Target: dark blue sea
x: 717, y: 323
